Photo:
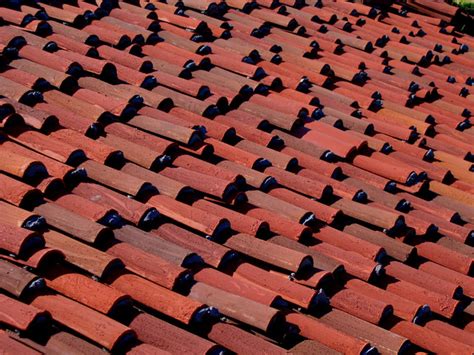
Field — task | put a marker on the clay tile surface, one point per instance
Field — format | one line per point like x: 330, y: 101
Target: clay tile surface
x: 245, y: 176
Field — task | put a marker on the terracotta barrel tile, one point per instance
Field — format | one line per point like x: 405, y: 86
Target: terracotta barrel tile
x: 86, y: 208
x: 345, y: 136
x: 237, y: 155
x: 113, y: 38
x: 167, y: 130
x: 188, y: 120
x: 112, y: 105
x: 70, y: 43
x: 69, y: 119
x: 314, y: 278
x: 398, y: 173
x: 171, y: 339
x: 396, y: 249
x: 240, y: 222
x: 166, y: 186
x: 312, y: 347
x: 282, y: 104
x: 211, y: 185
x: 239, y: 287
x: 290, y: 291
x: 422, y: 279
x: 85, y: 290
x: 239, y: 341
x: 17, y: 217
x: 15, y: 17
x: 145, y: 349
x: 190, y: 216
x: 463, y: 234
x: 18, y: 281
x: 183, y: 309
x: 455, y: 245
x: 361, y: 306
x: 322, y: 212
x: 281, y: 120
x: 249, y: 133
x: 296, y: 214
x: 148, y: 265
x: 248, y: 118
x: 446, y: 213
x: 320, y: 261
x: 428, y: 339
x: 21, y: 316
x: 399, y: 146
x: 72, y: 32
x: 373, y: 215
x: 439, y: 303
x: 447, y: 274
x: 38, y: 259
x: 137, y: 136
x: 464, y: 210
x: 55, y: 77
x: 451, y: 192
x: 354, y: 263
x: 198, y: 107
x: 81, y: 255
x: 115, y: 91
x: 222, y: 82
x: 367, y: 177
x: 63, y: 15
x: 403, y: 308
x: 212, y: 253
x: 51, y: 185
x: 443, y: 256
x: 214, y: 129
x: 279, y: 223
x: 91, y: 324
x: 50, y: 60
x: 8, y: 117
x: 172, y: 68
x: 54, y: 167
x: 95, y: 150
x: 380, y: 338
x: 192, y: 88
x: 19, y: 241
x: 11, y: 346
x: 22, y: 166
x: 392, y: 130
x: 451, y: 332
x: 26, y: 79
x: 128, y: 208
x: 247, y: 311
x: 154, y: 244
x: 270, y: 253
x: 391, y: 201
x: 77, y: 106
x: 421, y: 226
x: 72, y: 223
x: 66, y: 342
x: 306, y: 186
x: 116, y: 179
x: 348, y: 242
x: 136, y: 153
x: 253, y: 177
x: 191, y: 163
x: 314, y: 329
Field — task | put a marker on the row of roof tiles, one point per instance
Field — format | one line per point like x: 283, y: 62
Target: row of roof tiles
x: 304, y: 171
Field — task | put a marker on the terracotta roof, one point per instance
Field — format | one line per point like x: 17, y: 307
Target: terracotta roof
x: 249, y: 176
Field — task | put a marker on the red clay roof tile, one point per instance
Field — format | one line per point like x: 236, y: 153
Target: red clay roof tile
x: 21, y: 316
x: 246, y: 121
